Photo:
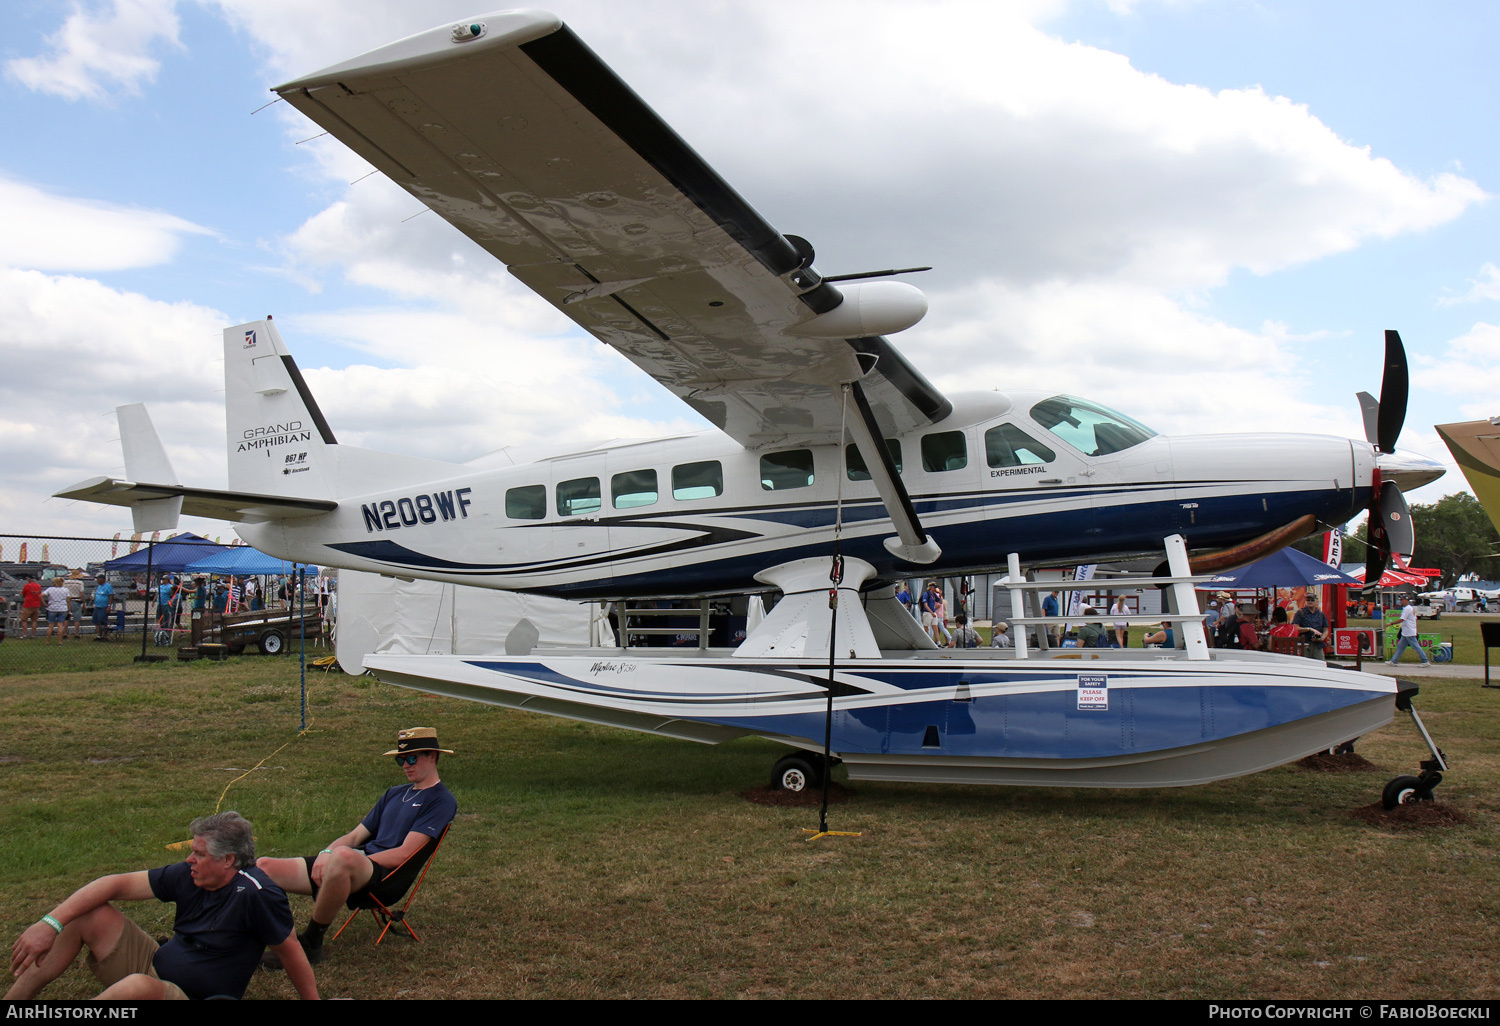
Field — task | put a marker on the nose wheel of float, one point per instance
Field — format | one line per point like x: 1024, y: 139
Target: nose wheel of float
x: 1407, y: 789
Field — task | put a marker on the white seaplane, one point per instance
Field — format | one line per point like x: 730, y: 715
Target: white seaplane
x: 836, y: 469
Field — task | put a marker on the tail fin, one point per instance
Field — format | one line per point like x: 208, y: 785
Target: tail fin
x: 279, y: 442
x: 278, y: 439
x: 146, y: 460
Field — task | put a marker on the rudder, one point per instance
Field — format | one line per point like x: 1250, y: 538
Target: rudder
x: 279, y: 442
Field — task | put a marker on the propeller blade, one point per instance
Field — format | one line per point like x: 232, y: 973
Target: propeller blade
x: 1394, y: 385
x: 1369, y: 408
x: 1395, y: 516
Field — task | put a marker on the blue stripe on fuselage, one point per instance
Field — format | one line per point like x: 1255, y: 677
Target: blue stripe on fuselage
x: 1080, y: 533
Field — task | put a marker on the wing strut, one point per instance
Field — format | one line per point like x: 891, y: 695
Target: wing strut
x: 911, y: 542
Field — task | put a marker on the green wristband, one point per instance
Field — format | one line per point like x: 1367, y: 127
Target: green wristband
x: 52, y: 922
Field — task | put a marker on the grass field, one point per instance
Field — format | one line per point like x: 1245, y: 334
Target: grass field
x: 591, y: 862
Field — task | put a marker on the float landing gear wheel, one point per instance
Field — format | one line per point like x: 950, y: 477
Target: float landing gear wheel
x: 802, y: 771
x: 1405, y: 790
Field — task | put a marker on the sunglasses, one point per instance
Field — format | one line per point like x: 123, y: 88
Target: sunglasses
x: 407, y: 760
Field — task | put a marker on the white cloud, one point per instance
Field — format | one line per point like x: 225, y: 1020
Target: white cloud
x: 100, y: 50
x: 1079, y: 212
x: 73, y: 350
x: 1469, y: 367
x: 1486, y: 286
x: 58, y: 233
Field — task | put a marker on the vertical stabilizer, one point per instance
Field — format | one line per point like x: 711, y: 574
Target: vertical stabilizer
x: 279, y: 443
x: 146, y: 461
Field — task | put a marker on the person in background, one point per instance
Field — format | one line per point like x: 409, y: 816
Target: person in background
x: 1164, y: 638
x: 74, y: 585
x: 1090, y: 634
x: 1000, y: 635
x: 1121, y: 627
x: 56, y: 597
x: 1211, y: 621
x: 31, y: 608
x: 1313, y: 625
x: 964, y: 636
x: 1050, y: 607
x: 931, y: 602
x: 1408, y: 635
x: 104, y: 594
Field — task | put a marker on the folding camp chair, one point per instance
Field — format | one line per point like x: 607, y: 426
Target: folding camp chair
x: 417, y: 863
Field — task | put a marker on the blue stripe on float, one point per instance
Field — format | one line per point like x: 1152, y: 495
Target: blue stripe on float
x: 1050, y: 725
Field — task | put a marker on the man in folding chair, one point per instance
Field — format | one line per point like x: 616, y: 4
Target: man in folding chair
x: 400, y: 831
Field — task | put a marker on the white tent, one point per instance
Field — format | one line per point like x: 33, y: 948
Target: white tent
x: 382, y: 614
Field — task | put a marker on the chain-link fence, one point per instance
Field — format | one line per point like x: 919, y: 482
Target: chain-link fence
x: 88, y: 603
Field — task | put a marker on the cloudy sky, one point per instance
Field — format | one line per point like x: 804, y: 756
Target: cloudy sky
x: 1203, y: 214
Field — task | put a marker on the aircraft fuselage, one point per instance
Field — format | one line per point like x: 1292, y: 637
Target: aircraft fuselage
x: 700, y: 515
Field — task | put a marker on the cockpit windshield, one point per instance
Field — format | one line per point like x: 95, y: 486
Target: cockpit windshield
x: 1091, y: 429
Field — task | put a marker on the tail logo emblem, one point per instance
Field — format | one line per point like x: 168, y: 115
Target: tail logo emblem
x: 249, y: 339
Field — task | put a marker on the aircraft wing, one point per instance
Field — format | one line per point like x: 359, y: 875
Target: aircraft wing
x: 1476, y: 447
x: 199, y: 502
x: 514, y: 131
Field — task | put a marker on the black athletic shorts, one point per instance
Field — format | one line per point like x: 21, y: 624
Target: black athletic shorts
x: 377, y: 877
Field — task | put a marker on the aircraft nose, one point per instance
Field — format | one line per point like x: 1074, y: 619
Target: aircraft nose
x: 1408, y: 469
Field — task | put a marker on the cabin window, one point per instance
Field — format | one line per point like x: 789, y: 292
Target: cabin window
x: 854, y: 461
x: 578, y: 496
x: 790, y: 469
x: 634, y: 488
x: 526, y: 503
x: 698, y: 480
x: 1091, y: 429
x: 1009, y: 446
x: 945, y: 450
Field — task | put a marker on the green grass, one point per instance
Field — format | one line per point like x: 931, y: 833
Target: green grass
x: 592, y: 862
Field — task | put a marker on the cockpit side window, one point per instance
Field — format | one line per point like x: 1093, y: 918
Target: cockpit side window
x: 1091, y: 429
x: 1008, y: 446
x: 855, y: 461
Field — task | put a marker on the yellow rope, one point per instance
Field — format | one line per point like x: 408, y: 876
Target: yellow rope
x: 180, y: 845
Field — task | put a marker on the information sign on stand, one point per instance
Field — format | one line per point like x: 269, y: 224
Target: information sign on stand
x: 1489, y: 634
x: 1351, y: 643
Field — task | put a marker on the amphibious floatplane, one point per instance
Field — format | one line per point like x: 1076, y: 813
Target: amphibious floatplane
x: 515, y: 132
x: 859, y: 676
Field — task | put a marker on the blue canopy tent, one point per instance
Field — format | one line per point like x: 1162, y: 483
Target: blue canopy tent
x: 243, y: 561
x: 171, y: 556
x: 1285, y: 569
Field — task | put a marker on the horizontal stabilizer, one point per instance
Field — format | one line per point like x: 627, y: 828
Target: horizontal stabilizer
x: 199, y: 502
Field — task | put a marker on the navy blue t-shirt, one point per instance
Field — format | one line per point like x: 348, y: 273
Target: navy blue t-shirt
x: 403, y: 809
x: 218, y: 936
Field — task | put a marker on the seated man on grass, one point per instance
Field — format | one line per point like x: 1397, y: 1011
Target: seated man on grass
x: 405, y: 820
x: 228, y: 912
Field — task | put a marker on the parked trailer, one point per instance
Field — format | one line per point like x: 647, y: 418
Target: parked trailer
x: 269, y: 629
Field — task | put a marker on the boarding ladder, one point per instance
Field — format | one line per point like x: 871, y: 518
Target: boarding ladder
x: 1189, y: 624
x: 703, y: 630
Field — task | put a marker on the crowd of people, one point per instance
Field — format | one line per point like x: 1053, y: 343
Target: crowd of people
x: 54, y: 605
x: 1226, y: 624
x: 57, y: 608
